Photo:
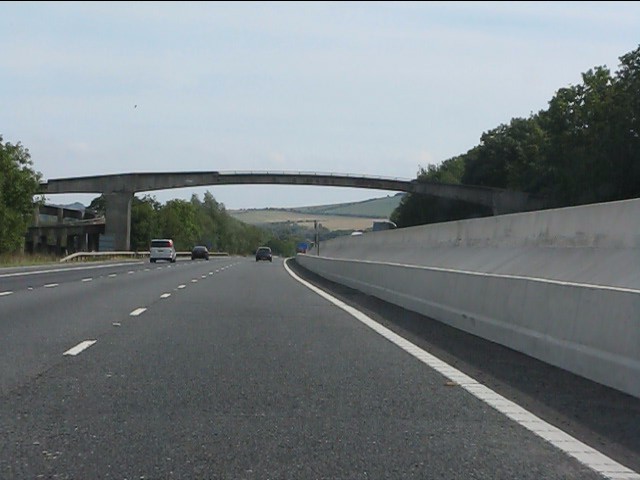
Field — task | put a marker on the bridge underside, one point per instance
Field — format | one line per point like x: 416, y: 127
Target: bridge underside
x: 63, y: 239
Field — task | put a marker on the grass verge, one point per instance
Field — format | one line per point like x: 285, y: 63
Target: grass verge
x: 26, y: 259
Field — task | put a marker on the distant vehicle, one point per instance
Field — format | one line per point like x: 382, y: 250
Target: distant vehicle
x: 357, y: 233
x: 383, y: 225
x: 302, y: 247
x: 263, y: 253
x: 200, y: 251
x: 162, y: 249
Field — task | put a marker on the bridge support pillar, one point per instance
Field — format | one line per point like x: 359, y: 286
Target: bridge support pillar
x: 118, y: 218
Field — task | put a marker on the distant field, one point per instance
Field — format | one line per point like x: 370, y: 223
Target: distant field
x: 332, y: 222
x: 342, y: 216
x: 374, y: 208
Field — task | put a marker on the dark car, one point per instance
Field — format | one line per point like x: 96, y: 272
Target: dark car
x: 200, y: 252
x: 263, y: 253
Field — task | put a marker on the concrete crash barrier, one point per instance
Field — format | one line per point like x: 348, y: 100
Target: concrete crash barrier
x: 590, y: 331
x: 560, y: 316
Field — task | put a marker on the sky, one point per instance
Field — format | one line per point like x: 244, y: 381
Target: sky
x: 372, y: 88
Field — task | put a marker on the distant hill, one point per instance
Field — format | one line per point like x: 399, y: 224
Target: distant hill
x: 340, y: 216
x: 71, y: 206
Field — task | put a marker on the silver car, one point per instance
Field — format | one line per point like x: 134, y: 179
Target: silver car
x: 162, y: 249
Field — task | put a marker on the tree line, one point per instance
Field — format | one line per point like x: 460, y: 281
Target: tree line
x: 195, y: 222
x: 584, y: 148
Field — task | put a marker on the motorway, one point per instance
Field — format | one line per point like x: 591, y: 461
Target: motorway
x: 234, y: 369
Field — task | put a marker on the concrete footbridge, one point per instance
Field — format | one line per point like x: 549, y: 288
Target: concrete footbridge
x: 119, y: 189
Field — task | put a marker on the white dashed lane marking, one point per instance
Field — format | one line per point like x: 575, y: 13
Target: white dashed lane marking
x: 79, y: 348
x: 165, y: 295
x: 87, y: 279
x: 51, y: 285
x: 138, y: 311
x: 4, y: 294
x: 181, y: 286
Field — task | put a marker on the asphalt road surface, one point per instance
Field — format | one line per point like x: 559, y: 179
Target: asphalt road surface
x: 236, y: 369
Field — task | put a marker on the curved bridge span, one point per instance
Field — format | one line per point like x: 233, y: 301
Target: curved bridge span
x: 118, y: 190
x: 141, y: 182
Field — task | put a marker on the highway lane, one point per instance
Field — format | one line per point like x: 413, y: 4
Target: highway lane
x: 242, y: 373
x: 28, y: 278
x: 50, y: 309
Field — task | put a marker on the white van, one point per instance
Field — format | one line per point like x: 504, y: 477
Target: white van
x: 162, y: 249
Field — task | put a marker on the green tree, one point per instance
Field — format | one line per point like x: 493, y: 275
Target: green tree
x: 527, y: 169
x: 19, y: 185
x: 626, y: 95
x: 581, y: 141
x: 98, y: 205
x: 510, y: 157
x: 209, y: 218
x: 417, y: 209
x: 144, y: 221
x: 178, y: 220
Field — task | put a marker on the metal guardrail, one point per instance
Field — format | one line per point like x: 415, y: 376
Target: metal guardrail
x: 134, y: 255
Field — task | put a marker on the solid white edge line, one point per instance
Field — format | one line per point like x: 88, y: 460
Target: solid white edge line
x: 573, y: 447
x: 79, y: 348
x: 137, y: 312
